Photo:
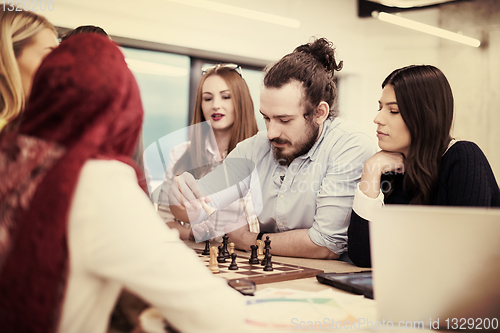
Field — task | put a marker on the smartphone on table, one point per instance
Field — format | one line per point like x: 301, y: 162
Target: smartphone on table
x: 355, y: 282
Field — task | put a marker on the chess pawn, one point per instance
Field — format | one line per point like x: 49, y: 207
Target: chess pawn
x: 233, y: 265
x: 269, y: 264
x: 231, y: 248
x: 260, y: 250
x: 213, y: 265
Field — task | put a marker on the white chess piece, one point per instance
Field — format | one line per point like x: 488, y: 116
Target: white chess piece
x: 213, y: 265
x: 260, y: 250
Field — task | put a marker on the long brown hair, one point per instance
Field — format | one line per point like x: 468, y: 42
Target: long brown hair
x: 425, y: 101
x: 244, y: 125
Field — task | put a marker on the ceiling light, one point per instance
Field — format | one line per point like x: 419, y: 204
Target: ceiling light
x: 398, y: 20
x: 242, y: 12
x: 410, y: 3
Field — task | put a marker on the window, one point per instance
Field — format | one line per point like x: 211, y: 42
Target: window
x: 254, y: 80
x: 163, y: 80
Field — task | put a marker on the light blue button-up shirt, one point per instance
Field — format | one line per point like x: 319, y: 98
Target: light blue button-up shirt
x: 314, y: 192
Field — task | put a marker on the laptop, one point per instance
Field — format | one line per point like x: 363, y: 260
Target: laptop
x: 436, y: 266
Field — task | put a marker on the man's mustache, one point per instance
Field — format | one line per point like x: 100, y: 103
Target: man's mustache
x: 280, y: 141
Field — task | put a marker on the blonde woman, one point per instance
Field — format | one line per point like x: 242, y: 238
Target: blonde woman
x: 25, y: 39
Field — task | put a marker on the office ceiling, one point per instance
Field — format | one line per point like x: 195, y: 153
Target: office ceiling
x: 184, y: 26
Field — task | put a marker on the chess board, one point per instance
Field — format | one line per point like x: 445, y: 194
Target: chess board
x: 256, y: 273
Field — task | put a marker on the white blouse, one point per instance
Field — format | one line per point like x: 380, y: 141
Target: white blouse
x: 117, y: 240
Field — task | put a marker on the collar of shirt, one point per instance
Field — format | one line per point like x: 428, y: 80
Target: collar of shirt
x: 214, y: 151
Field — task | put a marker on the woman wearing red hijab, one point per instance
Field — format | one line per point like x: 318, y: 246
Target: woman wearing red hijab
x: 75, y: 228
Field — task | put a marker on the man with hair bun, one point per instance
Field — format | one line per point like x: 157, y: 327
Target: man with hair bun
x: 307, y: 164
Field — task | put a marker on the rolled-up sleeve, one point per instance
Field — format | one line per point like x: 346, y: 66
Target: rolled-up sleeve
x: 335, y: 197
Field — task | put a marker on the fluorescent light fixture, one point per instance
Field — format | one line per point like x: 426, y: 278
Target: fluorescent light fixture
x: 398, y: 20
x: 146, y: 67
x: 242, y: 12
x: 410, y: 3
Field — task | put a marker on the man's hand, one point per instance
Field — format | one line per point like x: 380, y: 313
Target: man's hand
x: 241, y: 236
x: 203, y: 231
x: 293, y: 243
x: 184, y: 187
x: 185, y: 198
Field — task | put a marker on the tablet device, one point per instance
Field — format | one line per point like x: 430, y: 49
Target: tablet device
x: 355, y: 282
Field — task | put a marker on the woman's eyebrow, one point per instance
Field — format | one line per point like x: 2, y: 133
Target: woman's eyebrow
x: 389, y: 103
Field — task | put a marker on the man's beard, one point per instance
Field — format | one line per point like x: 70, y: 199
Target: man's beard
x: 301, y: 147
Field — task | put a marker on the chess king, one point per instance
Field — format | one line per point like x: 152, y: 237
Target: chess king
x: 303, y: 170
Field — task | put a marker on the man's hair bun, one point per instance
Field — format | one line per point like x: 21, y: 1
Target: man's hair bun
x: 313, y: 65
x: 324, y: 52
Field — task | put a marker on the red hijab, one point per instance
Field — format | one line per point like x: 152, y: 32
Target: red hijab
x: 85, y: 104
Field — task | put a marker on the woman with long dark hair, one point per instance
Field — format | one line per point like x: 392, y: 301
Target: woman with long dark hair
x: 420, y: 163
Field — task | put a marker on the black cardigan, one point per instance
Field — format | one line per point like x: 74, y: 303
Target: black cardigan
x: 465, y: 179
